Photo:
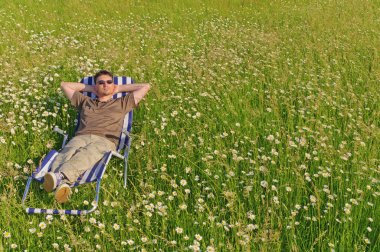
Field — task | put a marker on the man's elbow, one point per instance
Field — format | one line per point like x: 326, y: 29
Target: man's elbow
x: 63, y: 84
x: 147, y: 86
x: 146, y: 89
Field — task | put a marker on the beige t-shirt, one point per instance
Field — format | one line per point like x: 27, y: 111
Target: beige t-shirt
x: 104, y: 119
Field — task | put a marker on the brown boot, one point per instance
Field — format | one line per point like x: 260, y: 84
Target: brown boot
x: 62, y: 193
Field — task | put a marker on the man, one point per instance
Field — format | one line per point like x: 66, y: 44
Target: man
x: 101, y: 121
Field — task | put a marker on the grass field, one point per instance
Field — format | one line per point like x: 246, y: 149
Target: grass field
x: 261, y: 131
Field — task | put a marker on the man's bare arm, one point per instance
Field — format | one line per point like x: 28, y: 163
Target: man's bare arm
x: 69, y: 88
x: 139, y: 90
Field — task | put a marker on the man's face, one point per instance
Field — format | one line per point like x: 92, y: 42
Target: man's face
x: 104, y: 85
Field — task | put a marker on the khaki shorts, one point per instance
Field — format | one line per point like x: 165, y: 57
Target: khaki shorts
x: 80, y: 155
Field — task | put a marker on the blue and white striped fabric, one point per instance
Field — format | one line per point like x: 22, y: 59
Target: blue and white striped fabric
x: 45, y: 166
x: 31, y: 210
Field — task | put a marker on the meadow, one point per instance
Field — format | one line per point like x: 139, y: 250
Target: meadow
x: 261, y: 131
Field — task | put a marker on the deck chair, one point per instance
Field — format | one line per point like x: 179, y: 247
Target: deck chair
x: 96, y: 173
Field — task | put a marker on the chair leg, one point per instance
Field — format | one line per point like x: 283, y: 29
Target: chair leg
x: 125, y: 171
x: 26, y: 191
x: 126, y: 154
x: 97, y: 191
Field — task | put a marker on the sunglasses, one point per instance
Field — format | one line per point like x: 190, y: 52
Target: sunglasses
x: 101, y: 82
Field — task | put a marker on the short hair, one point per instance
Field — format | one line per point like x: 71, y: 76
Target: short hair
x: 102, y: 72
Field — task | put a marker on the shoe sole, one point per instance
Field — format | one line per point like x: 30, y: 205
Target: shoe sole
x: 50, y: 182
x: 62, y: 194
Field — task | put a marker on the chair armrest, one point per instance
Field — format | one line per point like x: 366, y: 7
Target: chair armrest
x: 117, y: 155
x: 59, y: 131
